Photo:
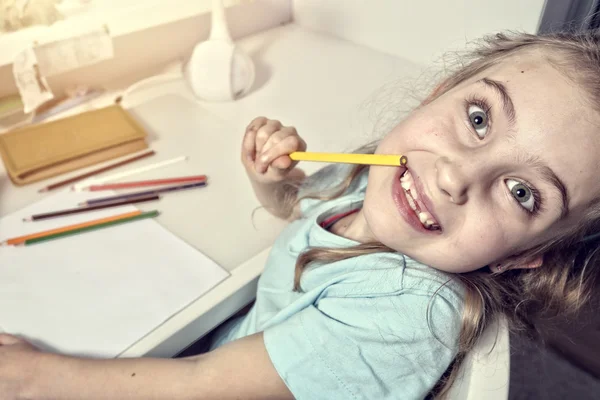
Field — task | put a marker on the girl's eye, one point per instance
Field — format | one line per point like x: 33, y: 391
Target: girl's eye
x: 479, y: 119
x: 523, y: 194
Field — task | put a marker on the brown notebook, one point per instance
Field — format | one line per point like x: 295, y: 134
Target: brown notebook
x: 41, y: 151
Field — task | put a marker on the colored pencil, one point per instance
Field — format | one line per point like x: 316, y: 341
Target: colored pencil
x: 167, y: 189
x: 368, y: 159
x: 96, y: 171
x: 21, y: 239
x: 77, y: 210
x: 144, y: 215
x: 79, y: 186
x: 154, y: 182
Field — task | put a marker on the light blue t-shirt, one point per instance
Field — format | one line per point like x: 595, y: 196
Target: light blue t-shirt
x: 378, y: 326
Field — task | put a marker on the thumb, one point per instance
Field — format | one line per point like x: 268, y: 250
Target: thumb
x: 283, y: 162
x: 7, y: 340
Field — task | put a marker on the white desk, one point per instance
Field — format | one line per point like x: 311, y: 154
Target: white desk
x: 315, y: 82
x: 312, y: 81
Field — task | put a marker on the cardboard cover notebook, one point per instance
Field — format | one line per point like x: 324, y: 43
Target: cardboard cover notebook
x: 44, y: 150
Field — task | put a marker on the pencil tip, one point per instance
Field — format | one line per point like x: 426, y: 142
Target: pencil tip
x: 27, y: 219
x: 43, y: 190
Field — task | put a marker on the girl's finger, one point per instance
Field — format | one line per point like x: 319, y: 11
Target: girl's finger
x: 285, y: 162
x: 256, y: 123
x: 282, y: 163
x: 7, y: 340
x: 280, y: 150
x: 249, y: 146
x: 278, y: 136
x: 264, y: 132
x: 248, y: 143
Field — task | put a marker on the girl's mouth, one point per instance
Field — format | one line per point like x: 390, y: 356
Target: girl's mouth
x: 417, y: 208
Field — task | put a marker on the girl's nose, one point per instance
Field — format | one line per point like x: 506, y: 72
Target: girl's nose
x: 451, y: 180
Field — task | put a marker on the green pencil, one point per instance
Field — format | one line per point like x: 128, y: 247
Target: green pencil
x: 144, y: 215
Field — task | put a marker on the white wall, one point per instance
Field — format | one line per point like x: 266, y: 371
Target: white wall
x: 419, y: 30
x: 144, y: 44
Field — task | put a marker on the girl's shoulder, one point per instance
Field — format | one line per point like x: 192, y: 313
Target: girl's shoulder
x: 385, y: 275
x: 363, y: 315
x: 421, y: 278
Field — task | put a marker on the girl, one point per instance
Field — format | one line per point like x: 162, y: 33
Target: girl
x: 387, y: 276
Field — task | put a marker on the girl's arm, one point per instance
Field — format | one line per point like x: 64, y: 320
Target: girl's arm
x: 265, y: 149
x: 241, y: 369
x: 278, y: 197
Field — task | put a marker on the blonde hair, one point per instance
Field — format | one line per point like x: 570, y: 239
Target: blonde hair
x: 564, y: 282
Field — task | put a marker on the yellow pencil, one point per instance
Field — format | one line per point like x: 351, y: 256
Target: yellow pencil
x: 368, y: 159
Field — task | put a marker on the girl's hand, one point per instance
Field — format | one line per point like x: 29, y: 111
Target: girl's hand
x: 18, y: 359
x: 266, y: 148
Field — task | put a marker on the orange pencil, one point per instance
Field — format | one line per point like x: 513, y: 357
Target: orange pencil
x: 153, y: 182
x: 21, y: 239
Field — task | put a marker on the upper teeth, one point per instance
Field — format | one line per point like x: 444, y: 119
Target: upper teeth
x: 408, y: 186
x: 410, y: 191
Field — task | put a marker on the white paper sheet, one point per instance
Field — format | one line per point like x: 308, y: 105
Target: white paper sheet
x: 64, y: 55
x: 97, y: 293
x: 32, y: 85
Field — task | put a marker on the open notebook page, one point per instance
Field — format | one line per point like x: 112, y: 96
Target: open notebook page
x: 97, y: 293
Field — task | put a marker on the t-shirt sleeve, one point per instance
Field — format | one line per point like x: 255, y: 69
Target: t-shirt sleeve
x: 385, y: 347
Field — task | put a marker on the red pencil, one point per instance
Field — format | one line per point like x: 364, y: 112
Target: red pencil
x: 154, y: 182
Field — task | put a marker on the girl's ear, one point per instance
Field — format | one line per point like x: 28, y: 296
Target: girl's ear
x: 534, y: 263
x: 516, y: 263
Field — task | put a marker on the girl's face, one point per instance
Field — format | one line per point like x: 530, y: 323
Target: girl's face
x: 496, y: 165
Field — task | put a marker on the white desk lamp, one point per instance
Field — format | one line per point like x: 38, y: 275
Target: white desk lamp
x: 218, y: 70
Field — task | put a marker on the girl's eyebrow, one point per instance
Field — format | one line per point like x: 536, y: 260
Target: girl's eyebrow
x: 548, y: 175
x: 507, y: 104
